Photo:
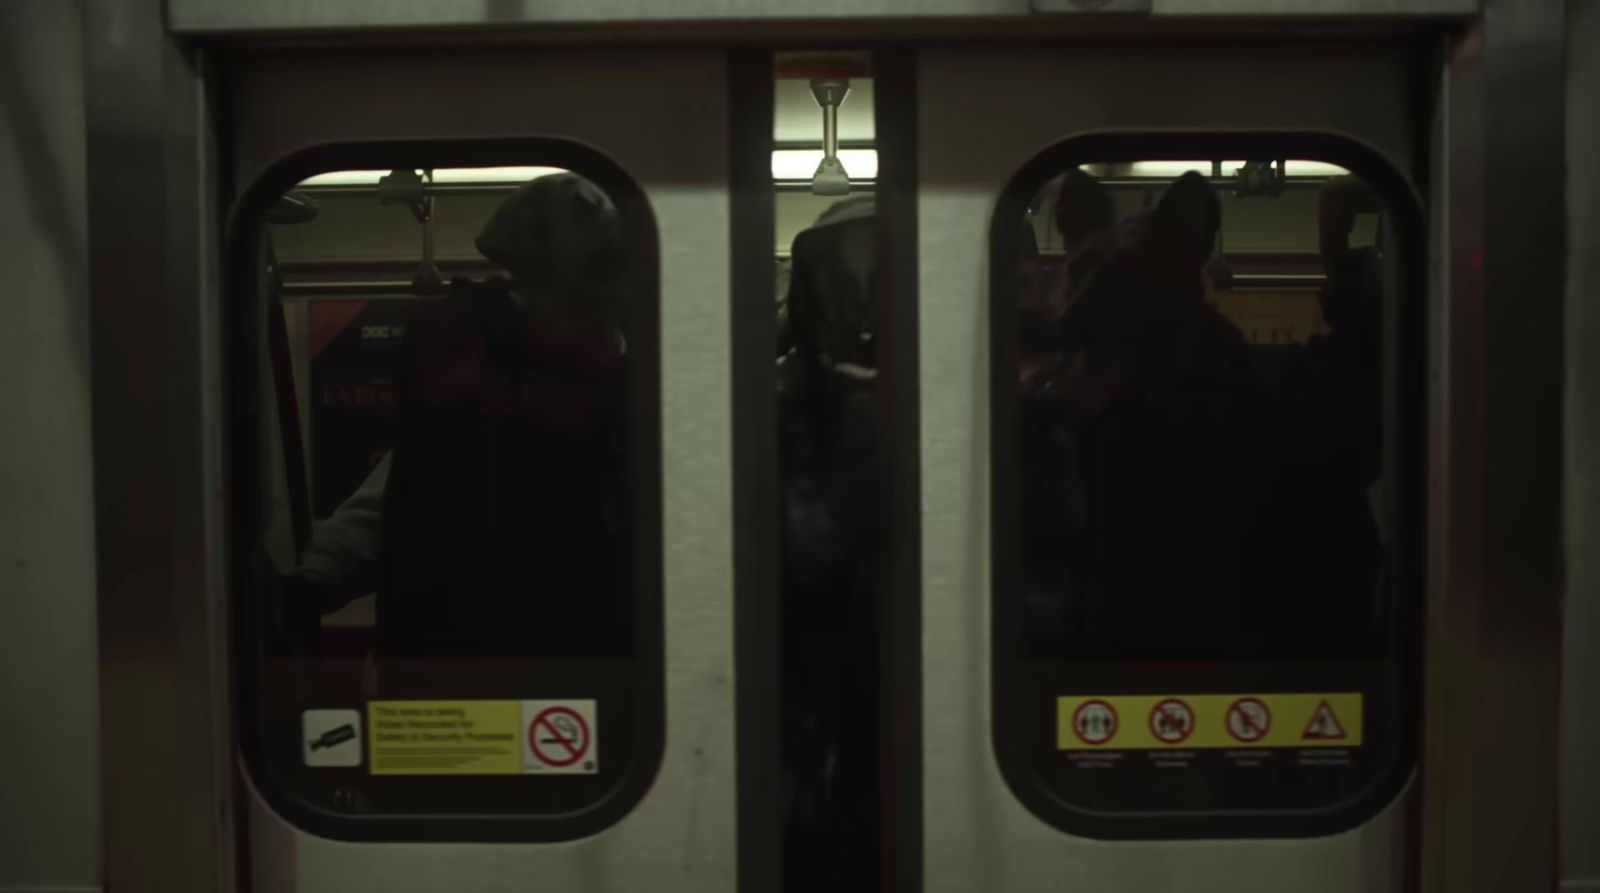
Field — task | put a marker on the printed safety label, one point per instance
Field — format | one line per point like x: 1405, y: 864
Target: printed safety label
x: 482, y: 737
x: 1234, y: 721
x: 445, y: 737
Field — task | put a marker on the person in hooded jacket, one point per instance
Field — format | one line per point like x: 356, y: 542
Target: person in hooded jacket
x: 831, y: 534
x: 500, y: 514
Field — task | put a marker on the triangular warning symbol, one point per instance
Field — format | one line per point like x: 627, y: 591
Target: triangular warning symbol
x: 1324, y: 726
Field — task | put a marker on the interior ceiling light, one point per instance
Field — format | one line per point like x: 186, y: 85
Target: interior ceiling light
x: 792, y: 166
x: 441, y: 176
x: 798, y: 165
x: 788, y: 165
x: 1175, y: 169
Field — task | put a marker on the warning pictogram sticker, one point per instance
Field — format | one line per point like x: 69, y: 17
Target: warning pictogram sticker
x: 560, y: 737
x: 1211, y: 720
x: 1249, y: 720
x: 1324, y: 725
x: 1094, y: 722
x: 330, y: 737
x: 1171, y: 721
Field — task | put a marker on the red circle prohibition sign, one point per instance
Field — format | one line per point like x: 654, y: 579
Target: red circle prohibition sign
x: 1171, y: 721
x: 568, y: 748
x: 1253, y: 716
x: 1104, y: 729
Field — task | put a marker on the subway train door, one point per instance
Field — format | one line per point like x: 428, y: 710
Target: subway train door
x: 477, y: 316
x: 1171, y: 463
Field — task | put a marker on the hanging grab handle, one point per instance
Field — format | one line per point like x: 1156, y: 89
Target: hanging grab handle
x: 410, y: 188
x: 831, y: 177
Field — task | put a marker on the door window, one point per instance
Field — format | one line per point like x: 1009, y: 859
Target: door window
x: 449, y: 554
x: 1206, y: 536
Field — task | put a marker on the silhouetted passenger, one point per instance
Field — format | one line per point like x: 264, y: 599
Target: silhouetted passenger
x: 340, y: 562
x: 506, y: 515
x: 503, y: 527
x: 831, y: 528
x: 1051, y: 490
x: 1211, y: 523
x: 1086, y: 219
x: 507, y: 484
x: 832, y: 314
x: 1085, y: 216
x: 1337, y: 376
x: 826, y: 413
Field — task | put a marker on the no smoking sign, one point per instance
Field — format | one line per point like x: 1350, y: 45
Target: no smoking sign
x: 560, y: 738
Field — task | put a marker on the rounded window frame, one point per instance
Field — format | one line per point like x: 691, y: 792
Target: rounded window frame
x: 241, y: 302
x: 1405, y: 348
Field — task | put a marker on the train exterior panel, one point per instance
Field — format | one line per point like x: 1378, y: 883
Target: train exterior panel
x: 158, y: 426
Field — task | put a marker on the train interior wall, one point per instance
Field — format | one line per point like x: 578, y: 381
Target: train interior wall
x: 49, y: 745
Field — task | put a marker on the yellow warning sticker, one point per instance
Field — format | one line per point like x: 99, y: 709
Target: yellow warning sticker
x: 445, y: 737
x: 1147, y: 722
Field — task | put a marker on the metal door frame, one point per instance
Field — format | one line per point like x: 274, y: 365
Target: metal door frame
x: 247, y: 16
x: 243, y: 299
x: 175, y: 807
x: 169, y: 789
x: 1505, y: 840
x: 1493, y: 642
x: 336, y: 98
x: 168, y: 784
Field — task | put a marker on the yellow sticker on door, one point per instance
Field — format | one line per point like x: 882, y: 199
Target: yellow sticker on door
x: 445, y: 737
x: 483, y: 737
x: 1148, y: 722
